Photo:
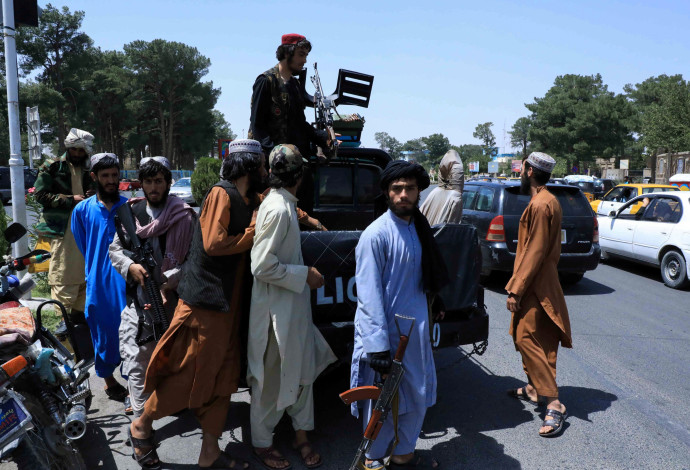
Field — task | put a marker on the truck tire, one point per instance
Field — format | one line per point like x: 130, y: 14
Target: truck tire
x: 674, y: 270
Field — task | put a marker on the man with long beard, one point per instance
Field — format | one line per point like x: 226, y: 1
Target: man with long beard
x: 397, y: 265
x: 539, y: 314
x: 62, y: 184
x: 93, y: 225
x: 286, y: 351
x: 167, y: 223
x: 196, y: 364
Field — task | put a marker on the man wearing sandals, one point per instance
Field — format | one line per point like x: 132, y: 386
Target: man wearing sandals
x: 286, y: 351
x: 539, y: 314
x: 398, y: 264
x: 196, y: 364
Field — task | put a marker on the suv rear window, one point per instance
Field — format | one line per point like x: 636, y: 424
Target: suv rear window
x: 573, y: 203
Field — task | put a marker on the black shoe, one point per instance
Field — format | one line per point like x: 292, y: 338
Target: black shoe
x: 61, y: 331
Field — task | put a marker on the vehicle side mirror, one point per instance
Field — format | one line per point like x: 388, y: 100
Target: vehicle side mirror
x: 612, y: 214
x: 14, y: 232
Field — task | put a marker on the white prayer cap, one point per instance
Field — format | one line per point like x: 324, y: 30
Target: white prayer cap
x: 244, y: 145
x: 162, y: 160
x: 100, y: 156
x: 80, y: 139
x: 541, y: 161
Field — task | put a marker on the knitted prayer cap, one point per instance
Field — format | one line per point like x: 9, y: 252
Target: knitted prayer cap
x: 102, y: 156
x: 244, y: 145
x: 541, y: 161
x: 162, y: 160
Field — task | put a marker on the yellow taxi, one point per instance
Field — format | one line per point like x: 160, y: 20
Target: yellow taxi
x: 622, y: 193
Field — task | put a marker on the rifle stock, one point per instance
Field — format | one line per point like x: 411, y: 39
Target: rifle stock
x: 367, y: 392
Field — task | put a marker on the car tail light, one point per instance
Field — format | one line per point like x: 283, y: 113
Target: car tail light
x: 496, y: 231
x: 595, y: 236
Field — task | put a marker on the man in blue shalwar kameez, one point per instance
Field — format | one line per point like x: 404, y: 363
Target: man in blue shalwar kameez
x: 398, y: 264
x: 93, y: 226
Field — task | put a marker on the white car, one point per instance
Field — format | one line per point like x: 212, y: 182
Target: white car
x: 183, y: 189
x: 657, y: 234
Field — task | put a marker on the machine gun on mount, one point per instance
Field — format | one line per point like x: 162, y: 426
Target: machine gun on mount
x: 142, y: 253
x: 354, y: 89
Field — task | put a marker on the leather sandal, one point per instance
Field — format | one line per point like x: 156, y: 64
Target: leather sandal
x: 556, y: 420
x: 267, y: 455
x: 147, y: 460
x: 521, y: 394
x: 223, y: 463
x: 309, y: 456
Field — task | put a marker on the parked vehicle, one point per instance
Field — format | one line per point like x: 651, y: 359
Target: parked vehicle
x: 656, y: 234
x: 182, y: 188
x: 622, y: 193
x: 495, y: 210
x: 347, y: 199
x: 6, y: 186
x: 584, y: 182
x: 129, y: 185
x: 602, y: 186
x: 44, y: 395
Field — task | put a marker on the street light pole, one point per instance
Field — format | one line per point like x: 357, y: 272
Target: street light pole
x: 21, y: 247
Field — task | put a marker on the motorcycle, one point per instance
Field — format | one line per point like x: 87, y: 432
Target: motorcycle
x: 44, y: 394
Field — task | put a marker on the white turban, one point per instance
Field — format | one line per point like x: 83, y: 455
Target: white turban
x: 79, y: 139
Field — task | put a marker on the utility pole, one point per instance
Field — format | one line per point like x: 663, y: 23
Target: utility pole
x: 21, y: 247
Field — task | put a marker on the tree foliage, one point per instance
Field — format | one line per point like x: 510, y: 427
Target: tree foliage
x: 390, y: 144
x: 484, y: 133
x: 437, y: 145
x: 149, y: 99
x: 519, y: 134
x: 206, y: 174
x: 579, y: 119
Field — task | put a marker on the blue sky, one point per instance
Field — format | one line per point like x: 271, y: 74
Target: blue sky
x: 439, y: 66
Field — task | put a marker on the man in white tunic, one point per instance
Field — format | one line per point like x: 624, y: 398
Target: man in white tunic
x: 286, y: 352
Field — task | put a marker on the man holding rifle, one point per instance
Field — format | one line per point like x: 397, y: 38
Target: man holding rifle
x: 398, y: 265
x: 166, y: 223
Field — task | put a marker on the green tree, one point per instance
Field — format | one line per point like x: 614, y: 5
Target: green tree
x: 484, y: 133
x: 206, y: 174
x: 437, y: 145
x: 389, y: 144
x: 579, y: 119
x: 418, y: 147
x: 666, y: 123
x: 519, y: 134
x: 177, y: 105
x: 59, y: 51
x: 473, y: 153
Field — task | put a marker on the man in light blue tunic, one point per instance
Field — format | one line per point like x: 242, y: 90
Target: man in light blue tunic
x: 398, y: 264
x: 93, y: 226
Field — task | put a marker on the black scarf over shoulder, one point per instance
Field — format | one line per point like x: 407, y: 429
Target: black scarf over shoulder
x: 434, y: 271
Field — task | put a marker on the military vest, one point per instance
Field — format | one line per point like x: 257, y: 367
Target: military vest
x: 208, y: 281
x: 280, y: 106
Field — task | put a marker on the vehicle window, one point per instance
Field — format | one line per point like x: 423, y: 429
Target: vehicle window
x: 468, y: 195
x: 614, y: 194
x: 633, y: 193
x: 573, y: 203
x: 5, y: 178
x: 657, y: 190
x: 485, y: 199
x: 630, y: 210
x: 367, y: 185
x: 335, y: 185
x: 663, y: 209
x: 183, y: 182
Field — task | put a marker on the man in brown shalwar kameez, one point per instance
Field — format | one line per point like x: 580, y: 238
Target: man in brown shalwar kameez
x: 539, y: 313
x: 196, y: 364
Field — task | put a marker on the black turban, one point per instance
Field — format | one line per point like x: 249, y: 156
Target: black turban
x: 401, y: 169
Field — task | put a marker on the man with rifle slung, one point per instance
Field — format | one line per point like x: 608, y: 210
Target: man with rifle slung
x: 398, y: 265
x: 149, y: 249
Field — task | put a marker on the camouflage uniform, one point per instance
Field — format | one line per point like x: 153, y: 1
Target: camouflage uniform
x: 54, y: 190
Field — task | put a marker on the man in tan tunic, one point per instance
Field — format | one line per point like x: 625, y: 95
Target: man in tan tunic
x: 539, y: 313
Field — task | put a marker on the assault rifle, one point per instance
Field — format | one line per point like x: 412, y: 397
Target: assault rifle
x: 383, y: 393
x: 142, y: 253
x: 323, y: 110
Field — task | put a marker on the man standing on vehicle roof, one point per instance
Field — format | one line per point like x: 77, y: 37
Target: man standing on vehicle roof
x: 61, y: 184
x: 93, y: 225
x: 539, y: 314
x: 397, y: 265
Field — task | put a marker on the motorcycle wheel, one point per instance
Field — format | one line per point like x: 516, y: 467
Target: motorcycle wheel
x: 44, y: 448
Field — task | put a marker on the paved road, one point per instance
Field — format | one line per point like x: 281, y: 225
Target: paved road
x: 625, y: 385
